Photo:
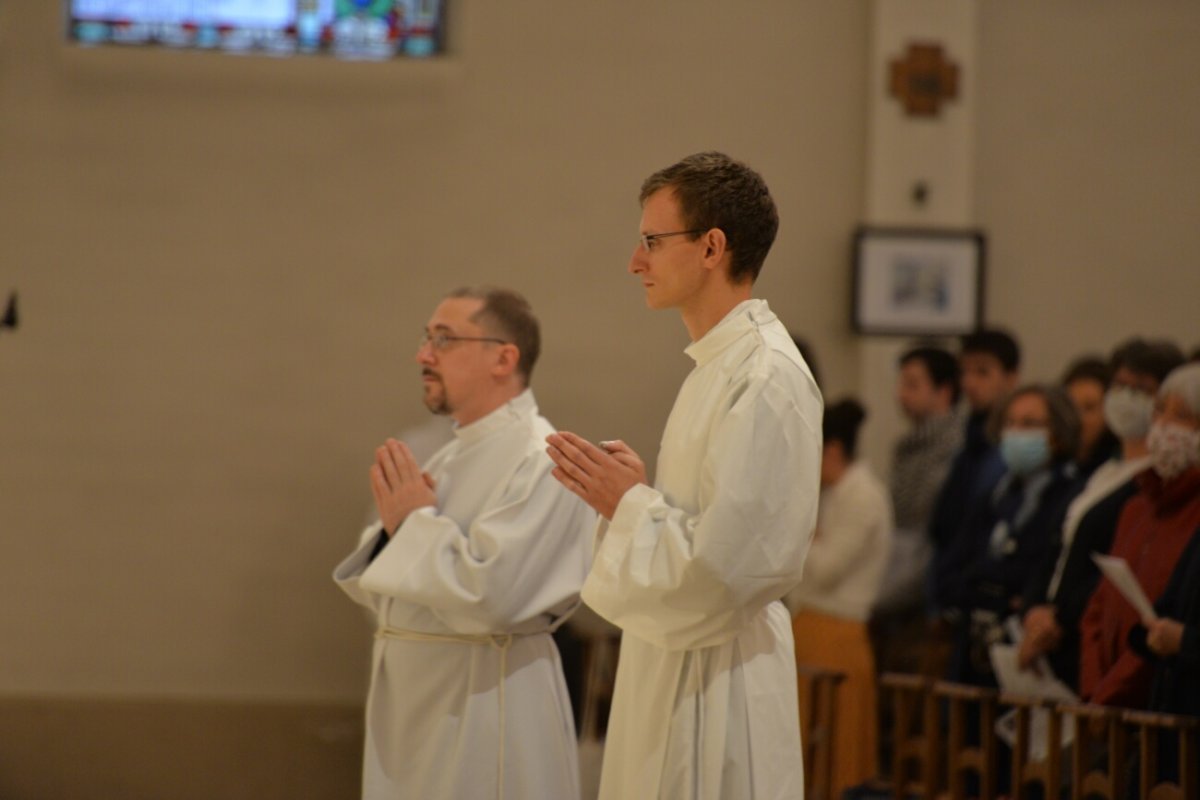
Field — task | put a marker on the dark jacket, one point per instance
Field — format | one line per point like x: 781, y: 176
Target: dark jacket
x: 974, y: 473
x: 986, y: 568
x: 1094, y: 534
x: 1002, y: 540
x: 1176, y: 684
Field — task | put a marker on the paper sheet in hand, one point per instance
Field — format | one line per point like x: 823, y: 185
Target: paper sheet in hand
x: 1032, y: 684
x: 1117, y: 570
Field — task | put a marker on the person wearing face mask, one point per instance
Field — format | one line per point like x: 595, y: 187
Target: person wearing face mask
x: 1059, y: 588
x: 1038, y: 434
x: 1154, y: 528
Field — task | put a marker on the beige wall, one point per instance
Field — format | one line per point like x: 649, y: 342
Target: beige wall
x: 1088, y: 174
x: 224, y: 262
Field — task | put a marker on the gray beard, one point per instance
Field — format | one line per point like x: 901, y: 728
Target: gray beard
x: 438, y: 406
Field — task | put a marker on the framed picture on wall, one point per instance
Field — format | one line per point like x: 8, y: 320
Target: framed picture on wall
x: 917, y: 281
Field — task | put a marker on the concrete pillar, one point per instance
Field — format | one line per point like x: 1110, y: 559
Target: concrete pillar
x: 909, y: 156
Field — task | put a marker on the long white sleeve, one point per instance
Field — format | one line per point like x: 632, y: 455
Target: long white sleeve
x: 505, y: 545
x: 504, y: 551
x: 685, y: 578
x: 518, y: 559
x: 705, y: 698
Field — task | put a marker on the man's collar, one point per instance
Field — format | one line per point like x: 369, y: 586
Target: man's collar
x: 521, y: 406
x: 746, y: 316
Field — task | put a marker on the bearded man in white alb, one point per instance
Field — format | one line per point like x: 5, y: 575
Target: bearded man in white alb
x: 693, y: 569
x: 474, y: 562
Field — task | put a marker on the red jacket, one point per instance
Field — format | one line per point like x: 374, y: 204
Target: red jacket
x: 1155, y: 526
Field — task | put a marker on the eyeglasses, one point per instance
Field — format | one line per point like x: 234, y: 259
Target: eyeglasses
x: 440, y: 341
x: 648, y: 239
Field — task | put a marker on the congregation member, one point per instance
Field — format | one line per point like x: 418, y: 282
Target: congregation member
x: 1085, y: 382
x: 693, y: 568
x: 1171, y: 643
x: 1154, y: 529
x: 474, y: 560
x: 1060, y: 587
x: 987, y: 565
x: 989, y: 364
x: 989, y: 368
x: 842, y: 575
x: 927, y: 393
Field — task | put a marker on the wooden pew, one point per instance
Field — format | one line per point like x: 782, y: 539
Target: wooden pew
x: 1047, y: 771
x: 1098, y: 730
x: 962, y: 756
x: 916, y: 735
x: 818, y: 717
x: 1151, y: 727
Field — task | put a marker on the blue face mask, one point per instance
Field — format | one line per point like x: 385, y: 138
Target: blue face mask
x: 1025, y: 452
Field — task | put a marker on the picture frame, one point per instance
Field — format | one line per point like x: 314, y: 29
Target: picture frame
x: 917, y: 281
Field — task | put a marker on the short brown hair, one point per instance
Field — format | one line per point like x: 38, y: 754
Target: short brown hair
x: 715, y: 191
x: 509, y: 316
x: 1155, y: 358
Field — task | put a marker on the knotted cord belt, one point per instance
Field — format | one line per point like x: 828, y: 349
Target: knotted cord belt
x: 500, y: 641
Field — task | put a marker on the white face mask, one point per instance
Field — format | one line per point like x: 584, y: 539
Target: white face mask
x: 1128, y: 412
x: 1173, y: 449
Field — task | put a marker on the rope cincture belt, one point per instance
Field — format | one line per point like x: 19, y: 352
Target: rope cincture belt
x: 500, y: 641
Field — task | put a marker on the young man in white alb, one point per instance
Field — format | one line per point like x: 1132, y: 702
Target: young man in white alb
x: 692, y: 569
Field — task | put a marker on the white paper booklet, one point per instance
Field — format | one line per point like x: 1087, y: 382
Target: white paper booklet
x: 1117, y: 570
x: 1041, y: 683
